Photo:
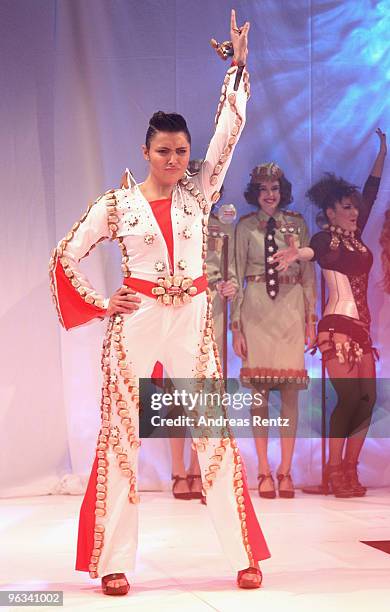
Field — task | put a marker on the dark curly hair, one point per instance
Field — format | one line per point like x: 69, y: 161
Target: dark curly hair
x: 251, y: 193
x: 331, y: 189
x: 384, y: 241
x: 166, y: 122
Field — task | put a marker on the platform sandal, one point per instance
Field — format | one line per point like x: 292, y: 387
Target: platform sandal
x: 352, y: 479
x: 111, y: 590
x: 250, y: 578
x: 285, y: 493
x: 177, y: 479
x: 335, y: 481
x: 266, y: 494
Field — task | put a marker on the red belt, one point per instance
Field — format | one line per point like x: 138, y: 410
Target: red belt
x: 169, y: 290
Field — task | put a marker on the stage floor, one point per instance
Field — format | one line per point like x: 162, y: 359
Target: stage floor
x: 317, y: 563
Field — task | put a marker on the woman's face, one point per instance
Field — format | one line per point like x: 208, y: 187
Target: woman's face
x: 168, y: 156
x: 344, y: 214
x: 269, y: 196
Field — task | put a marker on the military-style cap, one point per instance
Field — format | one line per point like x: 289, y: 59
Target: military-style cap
x: 266, y: 172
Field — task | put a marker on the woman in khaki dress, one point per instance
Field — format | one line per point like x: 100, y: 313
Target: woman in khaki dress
x: 273, y: 314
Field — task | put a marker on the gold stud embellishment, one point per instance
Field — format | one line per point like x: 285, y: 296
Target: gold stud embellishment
x: 132, y: 220
x: 148, y: 239
x: 159, y: 266
x: 187, y: 208
x: 174, y: 290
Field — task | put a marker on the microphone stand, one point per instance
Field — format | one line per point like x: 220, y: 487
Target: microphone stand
x: 225, y: 266
x: 321, y: 489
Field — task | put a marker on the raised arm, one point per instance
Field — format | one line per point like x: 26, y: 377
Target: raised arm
x: 379, y: 162
x: 371, y: 187
x: 230, y: 117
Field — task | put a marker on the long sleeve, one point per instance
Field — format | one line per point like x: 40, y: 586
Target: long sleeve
x: 308, y: 278
x: 241, y: 254
x: 215, y: 267
x: 232, y: 276
x: 75, y: 299
x: 369, y: 193
x: 229, y: 123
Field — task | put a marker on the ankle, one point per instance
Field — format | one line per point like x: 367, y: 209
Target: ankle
x: 285, y: 471
x: 181, y: 472
x: 350, y: 462
x: 334, y: 463
x: 193, y: 473
x: 264, y: 469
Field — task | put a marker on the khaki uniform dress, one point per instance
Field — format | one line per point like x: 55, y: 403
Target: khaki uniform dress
x: 274, y: 329
x: 214, y: 263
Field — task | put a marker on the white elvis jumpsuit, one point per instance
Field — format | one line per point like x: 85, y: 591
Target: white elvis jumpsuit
x: 179, y: 335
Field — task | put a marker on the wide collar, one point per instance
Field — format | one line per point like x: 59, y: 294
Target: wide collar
x: 262, y: 216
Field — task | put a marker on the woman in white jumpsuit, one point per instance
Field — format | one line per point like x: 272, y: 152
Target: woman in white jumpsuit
x: 161, y: 313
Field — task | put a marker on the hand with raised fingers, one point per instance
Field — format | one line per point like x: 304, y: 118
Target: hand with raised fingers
x: 125, y: 181
x: 239, y: 38
x: 382, y: 139
x: 124, y: 300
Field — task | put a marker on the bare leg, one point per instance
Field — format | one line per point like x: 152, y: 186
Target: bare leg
x: 178, y: 469
x: 289, y: 410
x: 261, y: 443
x: 194, y: 470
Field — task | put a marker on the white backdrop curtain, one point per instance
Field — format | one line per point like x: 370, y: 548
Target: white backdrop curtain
x: 79, y: 80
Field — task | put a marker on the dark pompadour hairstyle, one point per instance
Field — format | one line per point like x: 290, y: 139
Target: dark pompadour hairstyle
x: 331, y: 189
x: 166, y: 122
x: 251, y: 193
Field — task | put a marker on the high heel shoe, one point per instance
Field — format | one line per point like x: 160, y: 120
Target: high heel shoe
x: 352, y: 479
x: 335, y: 481
x: 191, y: 478
x: 245, y: 578
x: 177, y: 479
x: 111, y: 590
x: 266, y: 494
x: 285, y: 493
x: 196, y: 494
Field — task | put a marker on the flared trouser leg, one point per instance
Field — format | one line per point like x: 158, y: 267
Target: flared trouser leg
x: 108, y: 525
x: 182, y: 339
x: 222, y: 470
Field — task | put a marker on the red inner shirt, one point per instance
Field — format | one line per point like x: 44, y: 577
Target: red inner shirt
x: 162, y: 212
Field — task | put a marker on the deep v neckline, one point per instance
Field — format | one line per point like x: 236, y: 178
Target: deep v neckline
x: 163, y: 220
